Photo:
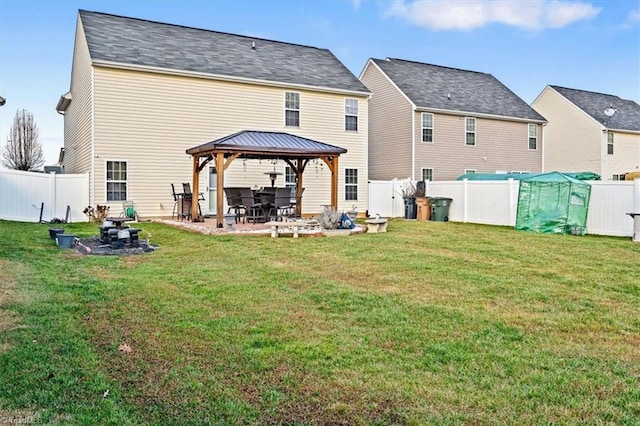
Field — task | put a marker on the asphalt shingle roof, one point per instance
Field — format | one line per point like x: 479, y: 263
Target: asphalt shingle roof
x: 139, y: 42
x: 437, y: 87
x: 626, y: 117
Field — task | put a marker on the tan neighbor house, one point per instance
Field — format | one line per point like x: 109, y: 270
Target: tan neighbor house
x: 590, y: 131
x: 142, y: 93
x: 430, y: 122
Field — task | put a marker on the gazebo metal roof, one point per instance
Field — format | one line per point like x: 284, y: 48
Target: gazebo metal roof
x: 256, y: 144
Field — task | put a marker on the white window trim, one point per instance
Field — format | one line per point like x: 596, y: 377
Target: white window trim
x: 475, y: 135
x: 422, y: 170
x: 292, y: 109
x: 356, y: 115
x: 535, y: 126
x: 350, y: 184
x: 422, y: 128
x: 111, y: 160
x: 612, y: 143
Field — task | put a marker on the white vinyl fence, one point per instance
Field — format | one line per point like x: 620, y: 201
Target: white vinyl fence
x: 496, y: 202
x: 22, y: 194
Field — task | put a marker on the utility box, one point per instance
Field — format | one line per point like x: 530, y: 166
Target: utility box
x: 424, y: 208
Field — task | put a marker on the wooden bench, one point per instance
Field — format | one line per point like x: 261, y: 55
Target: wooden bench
x: 376, y: 226
x: 294, y: 225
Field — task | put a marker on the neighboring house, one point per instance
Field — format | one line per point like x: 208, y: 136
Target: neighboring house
x: 144, y: 92
x: 590, y: 131
x: 430, y: 122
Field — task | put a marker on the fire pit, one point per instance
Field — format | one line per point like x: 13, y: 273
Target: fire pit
x: 95, y: 245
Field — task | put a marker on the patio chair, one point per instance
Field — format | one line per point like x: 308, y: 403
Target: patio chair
x: 282, y: 204
x: 176, y: 199
x: 234, y: 203
x: 253, y: 208
x: 187, y: 194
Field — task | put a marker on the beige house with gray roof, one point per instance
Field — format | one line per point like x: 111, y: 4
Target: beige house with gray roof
x: 430, y: 122
x: 590, y: 131
x: 142, y: 93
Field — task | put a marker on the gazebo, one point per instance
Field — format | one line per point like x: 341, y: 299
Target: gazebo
x: 296, y: 151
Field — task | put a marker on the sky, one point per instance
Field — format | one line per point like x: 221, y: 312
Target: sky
x: 526, y: 44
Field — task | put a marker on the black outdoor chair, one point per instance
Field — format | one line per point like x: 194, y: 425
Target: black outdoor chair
x: 187, y: 195
x: 253, y: 207
x: 234, y: 203
x: 282, y: 206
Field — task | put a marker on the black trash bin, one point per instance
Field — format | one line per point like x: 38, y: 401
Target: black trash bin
x: 440, y: 208
x: 410, y: 208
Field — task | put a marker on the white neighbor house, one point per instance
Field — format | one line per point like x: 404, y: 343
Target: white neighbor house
x: 589, y: 131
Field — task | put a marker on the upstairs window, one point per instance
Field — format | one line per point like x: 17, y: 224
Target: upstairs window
x: 427, y: 127
x: 427, y: 174
x: 351, y: 184
x: 610, y: 143
x: 533, y: 136
x: 470, y: 131
x: 351, y: 114
x: 116, y: 180
x: 292, y: 109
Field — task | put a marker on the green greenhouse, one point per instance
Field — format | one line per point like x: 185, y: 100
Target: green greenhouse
x: 553, y: 203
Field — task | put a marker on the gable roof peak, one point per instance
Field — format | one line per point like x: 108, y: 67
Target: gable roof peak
x: 627, y: 112
x: 436, y: 87
x: 134, y: 42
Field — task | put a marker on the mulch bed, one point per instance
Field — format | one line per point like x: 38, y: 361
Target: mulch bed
x: 94, y: 246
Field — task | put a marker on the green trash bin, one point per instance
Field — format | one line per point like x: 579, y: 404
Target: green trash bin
x: 440, y: 208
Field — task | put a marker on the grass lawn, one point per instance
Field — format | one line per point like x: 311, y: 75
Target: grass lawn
x: 430, y: 323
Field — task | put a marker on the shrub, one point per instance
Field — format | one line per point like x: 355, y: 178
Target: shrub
x: 97, y: 215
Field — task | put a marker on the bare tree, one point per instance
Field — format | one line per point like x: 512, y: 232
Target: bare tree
x: 23, y: 150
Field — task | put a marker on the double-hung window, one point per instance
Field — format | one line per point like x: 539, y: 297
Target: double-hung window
x: 292, y: 109
x: 116, y: 180
x: 351, y: 114
x: 351, y: 184
x: 427, y: 174
x: 427, y: 127
x: 610, y: 143
x: 470, y: 131
x: 533, y: 136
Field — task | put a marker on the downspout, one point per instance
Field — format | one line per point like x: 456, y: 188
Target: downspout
x: 603, y: 148
x: 92, y: 192
x: 413, y: 143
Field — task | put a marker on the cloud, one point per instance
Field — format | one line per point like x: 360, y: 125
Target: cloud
x: 633, y: 18
x: 438, y: 15
x: 356, y: 4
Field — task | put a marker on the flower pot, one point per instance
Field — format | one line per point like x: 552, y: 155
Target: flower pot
x: 65, y: 240
x: 53, y: 232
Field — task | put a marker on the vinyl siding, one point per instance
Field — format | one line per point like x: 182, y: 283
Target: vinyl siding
x: 78, y: 116
x: 500, y: 145
x: 150, y: 120
x: 390, y: 135
x: 573, y: 140
x: 626, y: 155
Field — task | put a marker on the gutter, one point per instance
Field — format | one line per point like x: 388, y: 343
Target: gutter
x: 480, y: 115
x: 63, y: 103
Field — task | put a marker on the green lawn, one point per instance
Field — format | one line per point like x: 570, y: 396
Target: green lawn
x: 430, y: 323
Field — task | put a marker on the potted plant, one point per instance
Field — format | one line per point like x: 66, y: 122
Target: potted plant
x: 329, y: 221
x: 353, y: 213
